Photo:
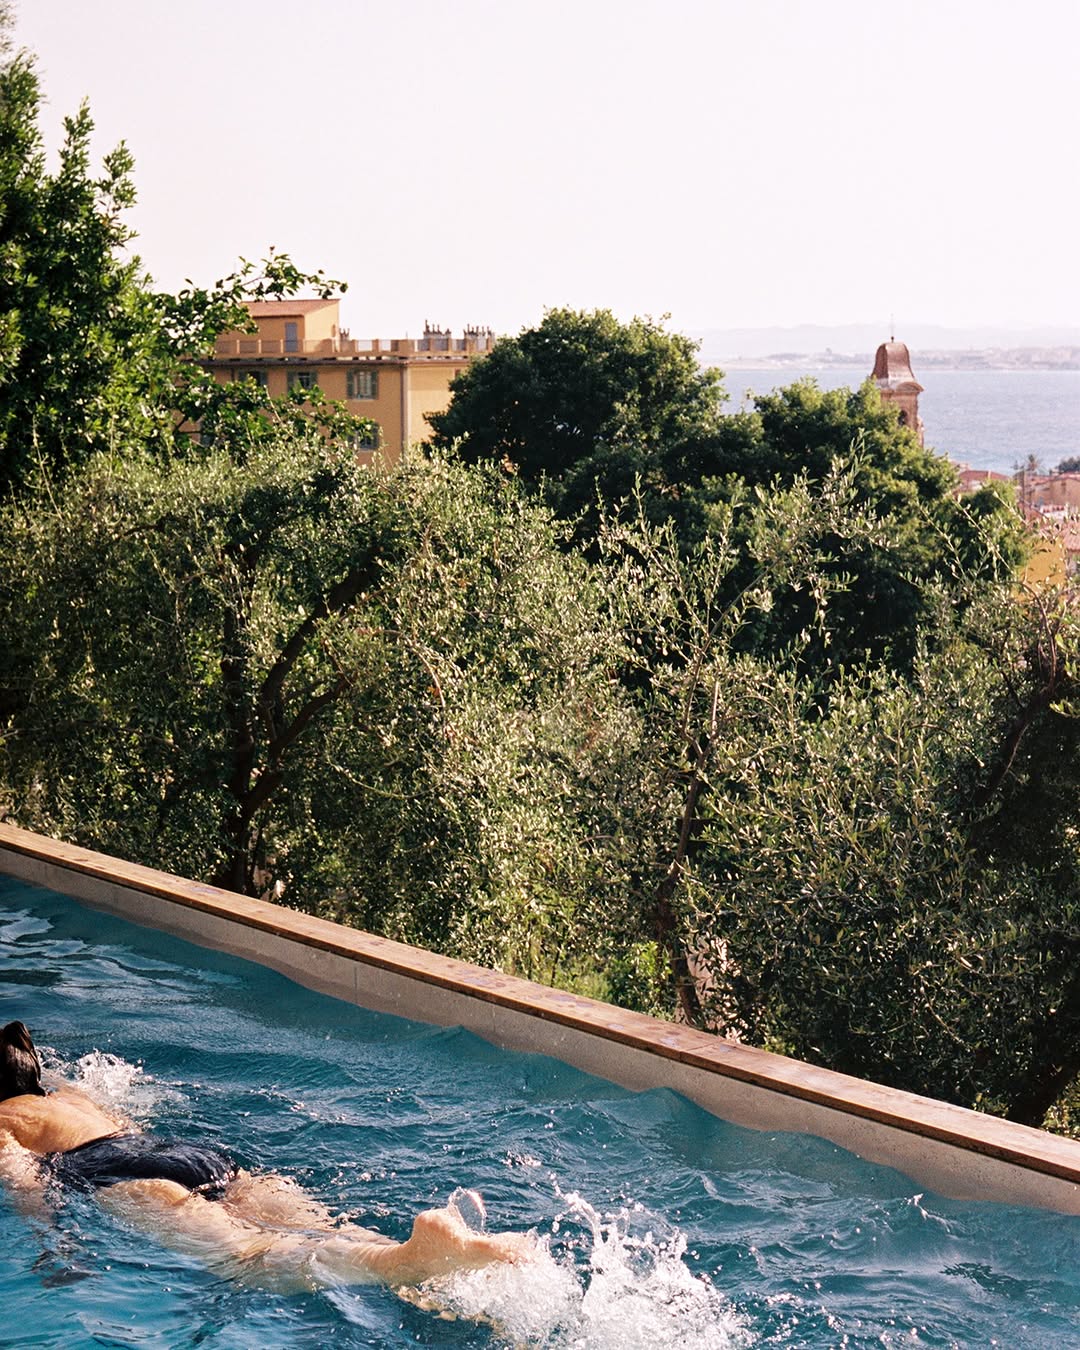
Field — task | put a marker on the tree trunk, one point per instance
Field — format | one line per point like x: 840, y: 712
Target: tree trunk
x: 257, y: 716
x: 682, y: 977
x: 665, y: 925
x: 233, y: 873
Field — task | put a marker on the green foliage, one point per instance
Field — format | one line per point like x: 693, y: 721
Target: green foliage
x: 888, y: 883
x: 495, y: 723
x: 635, y: 979
x: 91, y: 358
x: 927, y: 534
x: 382, y: 696
x: 591, y: 411
x: 1064, y: 1116
x: 687, y: 616
x: 73, y: 318
x: 804, y: 429
x: 585, y: 404
x: 874, y: 871
x: 401, y: 700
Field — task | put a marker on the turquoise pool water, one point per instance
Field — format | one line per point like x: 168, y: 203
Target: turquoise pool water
x: 665, y: 1225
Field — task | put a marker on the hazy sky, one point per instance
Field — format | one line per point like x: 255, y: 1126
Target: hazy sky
x: 730, y: 162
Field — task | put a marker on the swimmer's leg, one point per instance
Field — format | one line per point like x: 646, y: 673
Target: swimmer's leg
x: 171, y: 1210
x: 204, y: 1229
x: 239, y: 1247
x: 271, y: 1200
x: 440, y: 1243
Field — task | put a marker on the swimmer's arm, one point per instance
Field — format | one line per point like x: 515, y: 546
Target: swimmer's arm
x: 18, y: 1166
x: 21, y: 1176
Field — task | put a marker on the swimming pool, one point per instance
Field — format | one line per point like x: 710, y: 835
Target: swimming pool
x: 788, y: 1240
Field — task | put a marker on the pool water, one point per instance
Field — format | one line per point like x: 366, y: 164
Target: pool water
x: 665, y: 1226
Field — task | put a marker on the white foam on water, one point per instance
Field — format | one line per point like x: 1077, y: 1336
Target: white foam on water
x: 117, y: 1085
x: 634, y: 1293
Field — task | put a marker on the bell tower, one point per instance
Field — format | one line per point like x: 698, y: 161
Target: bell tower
x: 893, y: 377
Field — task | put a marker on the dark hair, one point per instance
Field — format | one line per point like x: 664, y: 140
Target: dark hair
x: 20, y: 1067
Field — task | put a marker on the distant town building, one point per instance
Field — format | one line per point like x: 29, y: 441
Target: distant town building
x: 396, y: 382
x: 893, y: 377
x: 1050, y: 493
x: 1050, y: 503
x: 970, y: 480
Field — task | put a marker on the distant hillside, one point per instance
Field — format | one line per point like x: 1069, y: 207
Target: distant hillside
x: 922, y: 359
x: 983, y: 348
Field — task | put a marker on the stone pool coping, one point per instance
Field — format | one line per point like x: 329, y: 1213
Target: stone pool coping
x: 959, y: 1153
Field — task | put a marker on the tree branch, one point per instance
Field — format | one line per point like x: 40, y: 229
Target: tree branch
x: 339, y: 597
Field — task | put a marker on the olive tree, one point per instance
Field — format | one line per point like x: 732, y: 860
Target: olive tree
x: 888, y: 879
x: 379, y: 695
x: 871, y: 869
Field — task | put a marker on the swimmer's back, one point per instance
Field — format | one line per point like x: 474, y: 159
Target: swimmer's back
x: 63, y: 1120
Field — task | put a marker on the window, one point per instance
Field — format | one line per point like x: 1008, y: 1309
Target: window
x: 258, y: 377
x: 303, y: 379
x: 363, y: 383
x: 292, y: 338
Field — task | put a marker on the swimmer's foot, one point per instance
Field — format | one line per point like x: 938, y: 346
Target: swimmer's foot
x: 440, y: 1243
x: 441, y: 1236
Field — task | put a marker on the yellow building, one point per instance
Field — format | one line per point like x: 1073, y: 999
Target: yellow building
x: 396, y: 382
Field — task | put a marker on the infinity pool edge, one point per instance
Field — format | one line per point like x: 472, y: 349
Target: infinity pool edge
x: 962, y: 1154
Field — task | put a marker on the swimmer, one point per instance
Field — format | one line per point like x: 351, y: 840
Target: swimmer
x: 194, y: 1196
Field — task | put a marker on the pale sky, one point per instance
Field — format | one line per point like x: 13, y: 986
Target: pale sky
x: 730, y: 162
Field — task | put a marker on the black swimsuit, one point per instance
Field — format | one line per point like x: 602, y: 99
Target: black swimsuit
x: 133, y: 1157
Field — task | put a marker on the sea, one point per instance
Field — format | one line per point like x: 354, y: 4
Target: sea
x: 985, y: 419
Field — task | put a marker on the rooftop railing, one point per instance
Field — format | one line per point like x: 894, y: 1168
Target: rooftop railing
x: 439, y: 345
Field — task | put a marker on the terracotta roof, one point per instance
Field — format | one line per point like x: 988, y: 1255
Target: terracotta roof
x: 970, y: 479
x: 892, y: 368
x: 265, y: 309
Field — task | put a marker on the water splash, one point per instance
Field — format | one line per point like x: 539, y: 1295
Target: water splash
x: 116, y: 1084
x: 469, y: 1207
x: 611, y: 1290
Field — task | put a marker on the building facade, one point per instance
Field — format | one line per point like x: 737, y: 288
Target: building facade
x: 395, y: 382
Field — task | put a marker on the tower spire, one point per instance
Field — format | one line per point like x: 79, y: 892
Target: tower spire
x: 897, y: 384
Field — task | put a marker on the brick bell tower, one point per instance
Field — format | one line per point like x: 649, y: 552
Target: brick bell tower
x: 893, y: 377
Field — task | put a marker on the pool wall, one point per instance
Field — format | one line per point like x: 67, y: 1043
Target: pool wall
x: 959, y: 1153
